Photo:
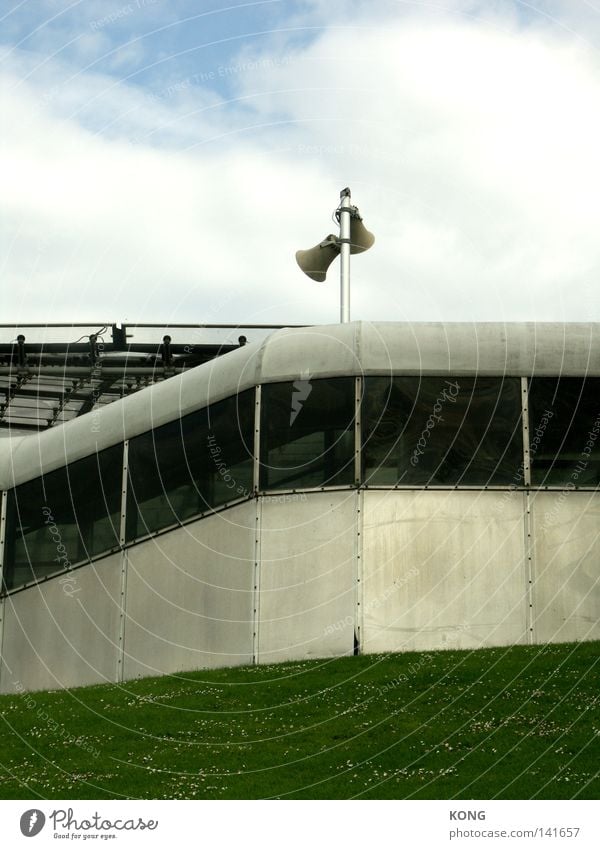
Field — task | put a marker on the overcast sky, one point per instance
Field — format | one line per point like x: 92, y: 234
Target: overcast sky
x: 162, y: 160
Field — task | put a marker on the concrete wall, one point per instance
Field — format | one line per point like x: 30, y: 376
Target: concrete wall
x: 63, y: 633
x: 566, y: 566
x: 295, y: 577
x: 443, y: 570
x: 190, y: 596
x: 307, y: 576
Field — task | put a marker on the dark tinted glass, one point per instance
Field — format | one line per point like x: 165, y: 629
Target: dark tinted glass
x: 564, y: 422
x: 65, y: 517
x: 190, y: 465
x: 441, y: 431
x: 307, y: 433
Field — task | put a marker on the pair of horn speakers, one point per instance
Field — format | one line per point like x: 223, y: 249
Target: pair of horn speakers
x: 315, y: 261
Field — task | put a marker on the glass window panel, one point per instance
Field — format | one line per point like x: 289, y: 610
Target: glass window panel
x: 66, y: 517
x: 184, y: 468
x: 564, y: 422
x: 307, y: 433
x: 442, y: 431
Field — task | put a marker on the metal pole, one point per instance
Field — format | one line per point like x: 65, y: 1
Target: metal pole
x: 345, y: 216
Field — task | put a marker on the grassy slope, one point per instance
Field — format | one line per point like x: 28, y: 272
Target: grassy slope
x: 520, y: 722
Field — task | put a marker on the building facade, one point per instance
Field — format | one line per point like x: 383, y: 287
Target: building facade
x: 368, y: 487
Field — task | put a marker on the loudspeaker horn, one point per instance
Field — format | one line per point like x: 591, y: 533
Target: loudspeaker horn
x: 315, y: 261
x: 360, y: 238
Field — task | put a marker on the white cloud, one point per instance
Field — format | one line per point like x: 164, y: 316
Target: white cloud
x: 111, y: 229
x: 471, y: 149
x: 483, y: 140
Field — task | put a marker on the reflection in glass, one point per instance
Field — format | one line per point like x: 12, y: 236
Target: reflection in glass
x: 65, y: 517
x: 307, y: 433
x: 190, y: 465
x: 564, y: 423
x: 442, y: 431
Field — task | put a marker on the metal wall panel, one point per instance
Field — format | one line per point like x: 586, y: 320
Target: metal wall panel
x: 566, y: 570
x: 482, y: 348
x: 443, y: 570
x: 190, y: 596
x: 437, y: 569
x: 320, y: 351
x: 63, y: 632
x: 307, y: 575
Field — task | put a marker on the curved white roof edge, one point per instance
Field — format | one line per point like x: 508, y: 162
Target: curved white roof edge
x: 461, y: 349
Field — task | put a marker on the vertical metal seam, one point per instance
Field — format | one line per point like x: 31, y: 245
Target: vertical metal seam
x: 124, y: 564
x: 357, y: 430
x: 525, y: 431
x: 256, y: 464
x: 529, y: 550
x: 359, y: 593
x: 529, y: 613
x: 256, y: 529
x: 256, y: 582
x: 124, y: 487
x: 3, y: 512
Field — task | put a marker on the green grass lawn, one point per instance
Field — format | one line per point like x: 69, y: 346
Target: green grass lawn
x: 514, y: 723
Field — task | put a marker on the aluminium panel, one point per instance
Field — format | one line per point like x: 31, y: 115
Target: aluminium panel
x: 483, y: 348
x: 63, y: 632
x: 566, y: 566
x: 321, y: 351
x: 443, y: 570
x: 307, y: 575
x: 189, y: 598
